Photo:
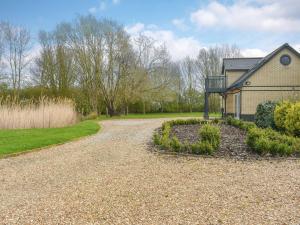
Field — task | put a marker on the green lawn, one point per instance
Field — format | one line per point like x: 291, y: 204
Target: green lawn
x: 20, y: 140
x: 158, y: 115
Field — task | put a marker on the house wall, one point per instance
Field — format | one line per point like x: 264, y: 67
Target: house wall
x: 273, y: 73
x: 230, y: 103
x: 250, y: 99
x: 232, y: 76
x: 273, y: 81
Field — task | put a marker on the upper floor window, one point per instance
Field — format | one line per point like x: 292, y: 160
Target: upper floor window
x: 285, y: 60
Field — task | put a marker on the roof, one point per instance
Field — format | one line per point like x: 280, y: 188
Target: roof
x: 239, y: 82
x: 239, y: 63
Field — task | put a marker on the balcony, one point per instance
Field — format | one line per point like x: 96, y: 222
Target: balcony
x: 215, y: 84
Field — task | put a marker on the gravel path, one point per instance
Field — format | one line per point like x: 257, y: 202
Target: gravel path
x: 111, y: 178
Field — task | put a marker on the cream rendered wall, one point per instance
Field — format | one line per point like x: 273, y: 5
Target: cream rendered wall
x: 276, y: 81
x: 250, y: 99
x: 232, y: 76
x: 273, y: 73
x: 230, y: 103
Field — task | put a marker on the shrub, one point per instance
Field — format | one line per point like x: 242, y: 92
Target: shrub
x: 264, y: 141
x: 262, y: 145
x: 91, y: 116
x: 253, y: 135
x: 210, y: 137
x: 156, y: 138
x: 264, y: 116
x: 210, y: 134
x: 280, y: 114
x: 292, y: 121
x: 202, y: 147
x: 175, y: 144
x: 215, y: 121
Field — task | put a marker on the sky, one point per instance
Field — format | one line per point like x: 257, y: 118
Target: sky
x: 256, y: 26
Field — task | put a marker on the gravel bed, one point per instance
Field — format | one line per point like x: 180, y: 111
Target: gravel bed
x: 233, y: 140
x: 111, y: 178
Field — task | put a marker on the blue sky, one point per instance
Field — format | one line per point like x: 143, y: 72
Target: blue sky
x: 256, y: 26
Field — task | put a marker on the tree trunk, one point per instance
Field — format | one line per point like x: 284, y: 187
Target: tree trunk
x: 144, y: 108
x: 126, y: 110
x: 106, y: 112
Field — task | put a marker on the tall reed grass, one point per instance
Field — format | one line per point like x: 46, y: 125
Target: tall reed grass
x: 44, y: 113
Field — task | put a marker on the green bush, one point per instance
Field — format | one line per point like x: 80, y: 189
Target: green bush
x: 264, y: 141
x: 91, y: 116
x: 264, y: 116
x: 253, y: 135
x: 187, y: 122
x: 262, y: 145
x: 202, y: 147
x: 156, y: 138
x: 210, y: 134
x: 280, y: 113
x: 292, y: 121
x: 175, y: 144
x: 244, y: 125
x: 210, y: 137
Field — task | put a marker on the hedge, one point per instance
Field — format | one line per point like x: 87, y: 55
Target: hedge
x: 267, y: 141
x: 209, y: 143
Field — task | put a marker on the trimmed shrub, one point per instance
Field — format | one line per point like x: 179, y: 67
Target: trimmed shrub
x: 156, y: 138
x: 280, y: 114
x: 240, y: 124
x: 264, y: 141
x: 253, y: 135
x: 175, y: 144
x: 264, y: 116
x: 292, y: 119
x: 202, y: 147
x: 210, y: 137
x: 210, y: 134
x: 262, y: 145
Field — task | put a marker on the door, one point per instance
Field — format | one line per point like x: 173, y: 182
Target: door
x: 237, y: 100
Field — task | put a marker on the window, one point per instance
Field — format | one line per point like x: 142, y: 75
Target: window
x: 285, y: 60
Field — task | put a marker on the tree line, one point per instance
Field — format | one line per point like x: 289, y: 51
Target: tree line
x: 97, y: 64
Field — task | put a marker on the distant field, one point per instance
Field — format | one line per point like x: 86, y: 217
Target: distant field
x: 158, y: 115
x: 20, y: 140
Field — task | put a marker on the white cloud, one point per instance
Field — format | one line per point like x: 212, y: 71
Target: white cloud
x: 93, y: 10
x: 178, y: 47
x: 101, y: 7
x: 261, y: 15
x: 180, y: 24
x: 253, y: 52
x: 115, y: 2
x: 135, y: 29
x: 297, y: 47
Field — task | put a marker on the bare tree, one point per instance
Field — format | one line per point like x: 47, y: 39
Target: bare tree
x: 17, y: 40
x: 187, y: 67
x: 54, y: 68
x: 1, y: 48
x: 209, y: 63
x: 152, y: 68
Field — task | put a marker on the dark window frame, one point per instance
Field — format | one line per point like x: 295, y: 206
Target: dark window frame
x: 283, y: 59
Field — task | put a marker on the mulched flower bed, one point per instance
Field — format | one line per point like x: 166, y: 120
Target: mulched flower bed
x: 232, y: 140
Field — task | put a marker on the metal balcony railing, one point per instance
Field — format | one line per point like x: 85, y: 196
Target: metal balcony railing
x: 215, y: 84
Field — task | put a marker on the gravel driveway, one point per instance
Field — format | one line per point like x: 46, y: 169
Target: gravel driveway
x: 111, y: 178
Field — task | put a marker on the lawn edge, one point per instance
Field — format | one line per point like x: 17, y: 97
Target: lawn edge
x: 52, y: 145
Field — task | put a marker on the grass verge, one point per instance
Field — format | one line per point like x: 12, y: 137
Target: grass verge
x: 158, y: 115
x: 21, y: 140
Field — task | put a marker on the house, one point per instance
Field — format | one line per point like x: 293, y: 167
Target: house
x: 246, y: 82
